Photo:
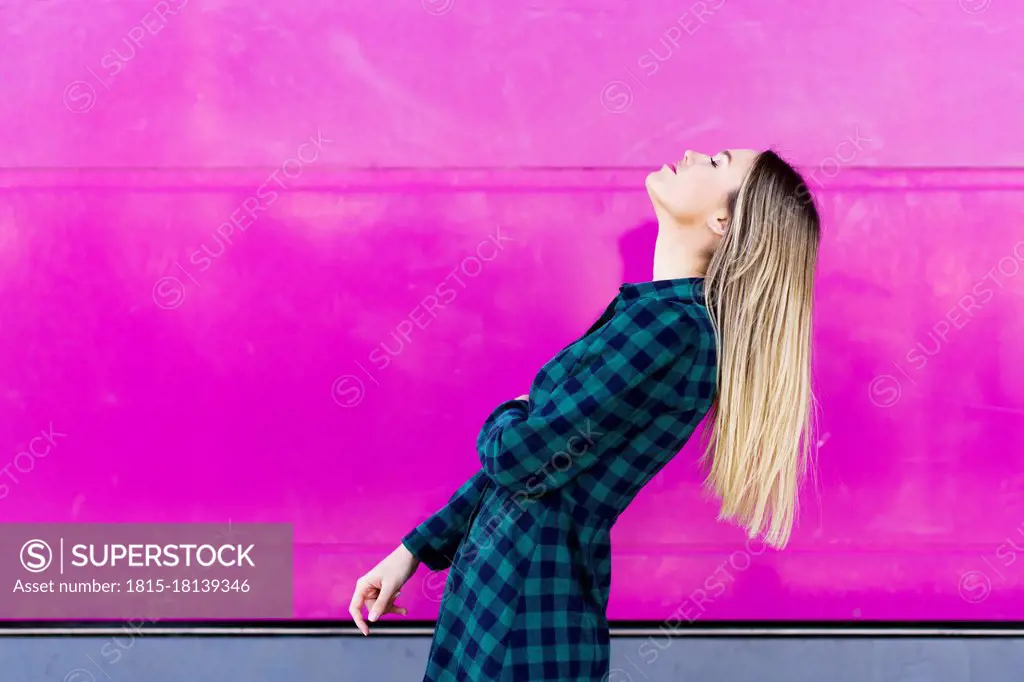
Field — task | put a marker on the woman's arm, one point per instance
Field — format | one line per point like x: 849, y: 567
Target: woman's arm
x: 547, y: 446
x: 434, y: 541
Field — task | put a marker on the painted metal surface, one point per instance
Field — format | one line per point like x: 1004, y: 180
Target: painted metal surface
x: 138, y: 657
x: 276, y: 262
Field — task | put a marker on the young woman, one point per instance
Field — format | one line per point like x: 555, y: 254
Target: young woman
x: 723, y: 327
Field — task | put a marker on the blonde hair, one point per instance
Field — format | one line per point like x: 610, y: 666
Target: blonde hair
x: 758, y: 290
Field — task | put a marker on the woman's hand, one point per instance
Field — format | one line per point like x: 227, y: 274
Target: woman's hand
x: 378, y: 589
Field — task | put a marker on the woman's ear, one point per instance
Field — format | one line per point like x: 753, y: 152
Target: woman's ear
x: 718, y: 222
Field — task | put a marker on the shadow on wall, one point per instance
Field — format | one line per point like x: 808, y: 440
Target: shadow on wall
x: 636, y: 247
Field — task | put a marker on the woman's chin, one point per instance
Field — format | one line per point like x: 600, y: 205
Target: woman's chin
x: 651, y: 183
x: 662, y: 212
x: 656, y: 187
x: 659, y: 178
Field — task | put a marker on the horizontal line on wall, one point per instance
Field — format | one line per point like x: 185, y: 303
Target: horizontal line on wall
x: 665, y: 630
x: 684, y: 550
x: 491, y: 180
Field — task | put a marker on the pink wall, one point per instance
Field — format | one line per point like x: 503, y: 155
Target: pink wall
x: 249, y: 386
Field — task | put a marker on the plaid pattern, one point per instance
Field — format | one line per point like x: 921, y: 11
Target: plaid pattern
x: 527, y: 537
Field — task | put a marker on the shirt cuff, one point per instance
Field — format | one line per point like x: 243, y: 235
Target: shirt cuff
x: 510, y: 410
x: 418, y: 544
x: 508, y: 405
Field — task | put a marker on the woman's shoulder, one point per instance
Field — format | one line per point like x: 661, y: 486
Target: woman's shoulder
x: 672, y: 321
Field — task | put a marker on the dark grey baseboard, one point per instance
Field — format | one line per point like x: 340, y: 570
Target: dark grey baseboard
x: 127, y: 657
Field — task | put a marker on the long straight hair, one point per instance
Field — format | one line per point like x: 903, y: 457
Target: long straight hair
x: 759, y: 289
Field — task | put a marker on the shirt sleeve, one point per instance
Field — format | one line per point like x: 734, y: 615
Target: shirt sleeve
x: 545, y: 447
x: 436, y: 539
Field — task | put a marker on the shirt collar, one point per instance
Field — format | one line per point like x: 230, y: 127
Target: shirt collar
x: 689, y: 289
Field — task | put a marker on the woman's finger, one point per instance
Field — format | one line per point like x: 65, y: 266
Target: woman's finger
x: 393, y: 608
x: 355, y: 608
x: 387, y: 591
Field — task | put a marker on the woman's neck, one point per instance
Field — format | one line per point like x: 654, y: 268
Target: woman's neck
x: 676, y: 255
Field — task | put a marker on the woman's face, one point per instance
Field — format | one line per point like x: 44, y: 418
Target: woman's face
x: 696, y: 189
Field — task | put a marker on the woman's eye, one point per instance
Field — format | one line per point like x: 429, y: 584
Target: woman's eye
x: 714, y: 164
